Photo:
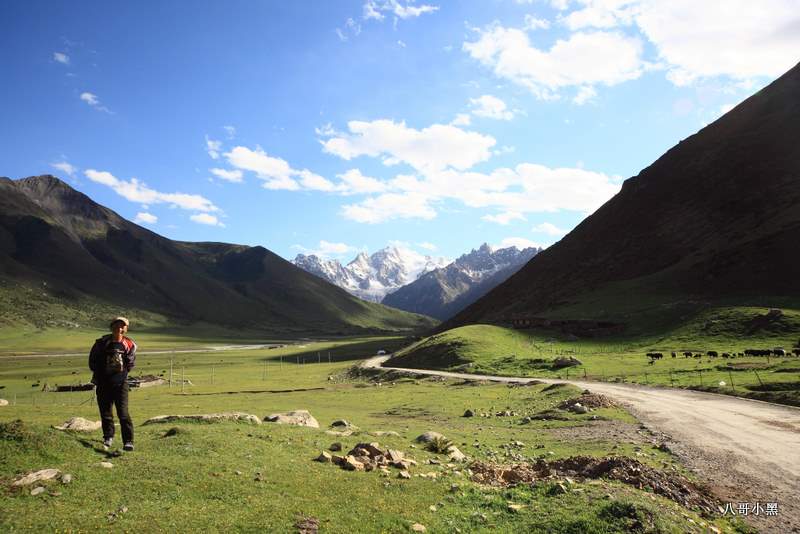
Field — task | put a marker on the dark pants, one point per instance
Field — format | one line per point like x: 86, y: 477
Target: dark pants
x: 109, y: 395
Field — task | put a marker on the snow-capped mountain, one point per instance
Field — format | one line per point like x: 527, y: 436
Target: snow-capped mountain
x: 372, y: 277
x: 443, y: 292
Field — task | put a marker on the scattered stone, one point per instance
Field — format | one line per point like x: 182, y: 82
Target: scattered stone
x: 206, y: 418
x: 3, y: 402
x: 343, y: 423
x: 296, y: 417
x: 589, y: 400
x: 469, y: 413
x: 342, y: 434
x: 456, y: 455
x: 307, y: 525
x: 395, y: 455
x: 404, y: 474
x: 237, y: 472
x: 325, y: 457
x: 106, y: 465
x: 515, y: 508
x: 417, y: 527
x: 432, y: 508
x: 55, y: 494
x: 338, y: 459
x: 579, y: 408
x: 351, y: 464
x: 37, y: 490
x: 66, y: 478
x: 454, y: 488
x: 557, y: 489
x: 79, y: 424
x: 30, y: 478
x: 663, y: 447
x: 429, y: 436
x: 335, y: 447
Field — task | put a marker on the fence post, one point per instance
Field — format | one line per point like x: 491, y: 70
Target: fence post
x: 733, y: 386
x: 329, y: 356
x: 759, y: 378
x: 212, y: 375
x: 671, y: 379
x: 646, y: 381
x: 584, y: 373
x: 183, y: 378
x: 701, y: 377
x: 171, y: 358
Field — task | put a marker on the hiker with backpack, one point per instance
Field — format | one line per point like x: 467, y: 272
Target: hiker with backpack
x: 110, y: 359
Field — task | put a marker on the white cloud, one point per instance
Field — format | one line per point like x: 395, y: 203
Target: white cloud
x: 266, y: 167
x: 207, y: 219
x: 428, y: 246
x: 230, y: 130
x: 315, y: 182
x: 137, y: 192
x: 585, y: 94
x: 519, y: 242
x: 61, y: 57
x: 93, y: 101
x: 355, y: 183
x: 341, y: 35
x: 374, y: 9
x: 430, y: 149
x: 736, y: 38
x: 333, y: 249
x: 504, y: 218
x: 533, y: 23
x: 234, y: 176
x: 145, y: 218
x: 549, y: 229
x: 65, y: 167
x: 213, y: 148
x: 584, y: 59
x: 601, y: 14
x: 490, y: 107
x: 462, y: 119
x: 390, y: 206
x: 401, y: 44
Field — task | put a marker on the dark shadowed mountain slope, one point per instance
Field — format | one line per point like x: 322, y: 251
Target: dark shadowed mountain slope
x: 716, y: 218
x: 445, y: 291
x: 52, y: 234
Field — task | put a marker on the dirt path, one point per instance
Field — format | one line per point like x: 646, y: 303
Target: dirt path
x: 746, y: 450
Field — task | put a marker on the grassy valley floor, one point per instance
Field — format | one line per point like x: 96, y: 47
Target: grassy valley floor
x: 245, y: 477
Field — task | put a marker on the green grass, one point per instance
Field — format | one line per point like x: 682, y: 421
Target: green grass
x: 189, y: 481
x: 487, y: 349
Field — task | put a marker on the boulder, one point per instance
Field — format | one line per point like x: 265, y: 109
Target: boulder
x: 383, y: 433
x: 428, y: 437
x: 351, y: 464
x: 3, y: 402
x: 561, y: 363
x: 324, y: 457
x: 30, y: 478
x: 343, y: 424
x: 79, y: 424
x: 66, y: 479
x: 579, y: 408
x: 37, y: 490
x: 335, y: 447
x: 206, y: 418
x: 469, y: 413
x: 296, y: 417
x: 456, y: 455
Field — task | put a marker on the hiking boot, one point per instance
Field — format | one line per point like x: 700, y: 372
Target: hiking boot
x: 128, y: 446
x: 107, y: 443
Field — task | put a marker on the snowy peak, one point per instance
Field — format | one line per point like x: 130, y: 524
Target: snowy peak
x: 372, y: 277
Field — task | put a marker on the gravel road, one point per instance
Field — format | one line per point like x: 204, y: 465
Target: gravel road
x: 747, y: 451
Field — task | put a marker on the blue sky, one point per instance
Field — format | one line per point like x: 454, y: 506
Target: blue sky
x: 334, y: 127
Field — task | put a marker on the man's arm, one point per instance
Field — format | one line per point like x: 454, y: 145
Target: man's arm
x: 130, y: 357
x: 93, y: 356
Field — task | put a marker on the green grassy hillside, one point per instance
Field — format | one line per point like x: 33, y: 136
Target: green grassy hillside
x: 489, y: 349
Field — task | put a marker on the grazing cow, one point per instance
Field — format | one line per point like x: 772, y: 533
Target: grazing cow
x: 655, y: 355
x: 726, y: 355
x: 674, y: 354
x: 687, y: 354
x: 796, y: 352
x: 698, y: 355
x: 779, y: 352
x: 712, y: 354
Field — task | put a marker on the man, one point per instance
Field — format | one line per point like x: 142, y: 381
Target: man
x: 110, y: 359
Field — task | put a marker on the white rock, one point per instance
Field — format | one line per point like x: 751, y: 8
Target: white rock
x: 296, y: 417
x: 107, y: 465
x: 206, y: 418
x: 79, y: 424
x: 3, y: 402
x: 30, y: 478
x: 37, y: 490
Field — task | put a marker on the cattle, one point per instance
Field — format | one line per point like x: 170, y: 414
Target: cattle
x: 796, y: 351
x: 779, y: 352
x: 687, y: 354
x: 655, y: 355
x: 698, y: 355
x: 712, y: 354
x: 726, y: 355
x: 674, y: 354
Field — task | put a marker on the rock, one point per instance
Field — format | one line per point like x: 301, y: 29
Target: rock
x: 79, y: 424
x: 107, y: 465
x: 515, y: 508
x: 338, y: 459
x: 560, y: 363
x: 395, y: 455
x: 429, y: 436
x: 335, y: 447
x: 579, y: 408
x: 325, y: 457
x: 469, y: 413
x: 30, y: 478
x: 343, y: 423
x: 404, y: 474
x: 417, y: 527
x: 432, y: 508
x: 37, y: 490
x: 206, y: 418
x: 557, y: 489
x: 455, y: 455
x: 296, y: 417
x: 66, y: 478
x: 3, y: 402
x: 342, y: 434
x: 663, y: 447
x: 351, y: 464
x: 237, y: 472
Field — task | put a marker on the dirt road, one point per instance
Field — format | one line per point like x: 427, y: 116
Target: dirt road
x: 746, y: 450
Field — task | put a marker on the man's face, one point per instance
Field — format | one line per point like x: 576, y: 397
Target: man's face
x: 119, y: 328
